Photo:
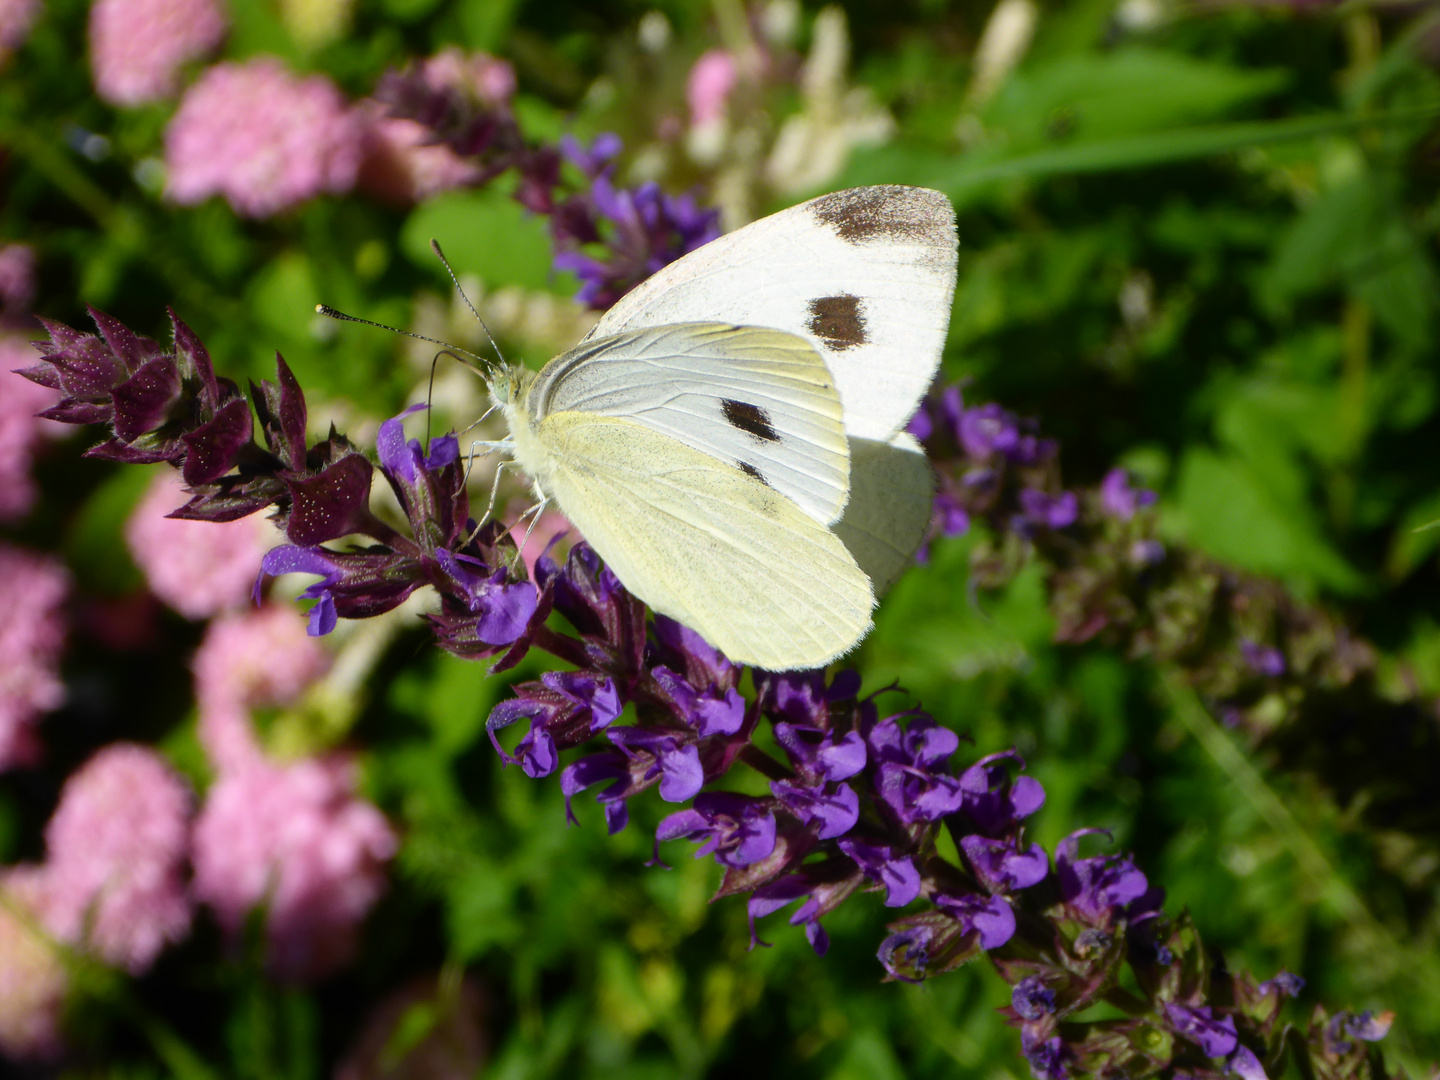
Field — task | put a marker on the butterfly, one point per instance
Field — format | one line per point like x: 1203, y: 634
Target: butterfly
x: 729, y: 437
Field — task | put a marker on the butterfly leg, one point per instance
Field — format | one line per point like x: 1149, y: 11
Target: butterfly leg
x: 536, y: 509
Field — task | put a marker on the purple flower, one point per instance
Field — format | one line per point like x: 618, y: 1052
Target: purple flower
x: 825, y: 885
x: 352, y: 584
x: 675, y: 762
x: 802, y: 698
x: 1263, y: 659
x: 1046, y: 1056
x: 1031, y: 998
x: 1049, y: 511
x: 708, y: 714
x: 834, y: 811
x: 1101, y: 888
x: 816, y: 756
x: 1284, y: 983
x: 596, y: 769
x: 994, y: 802
x: 1119, y: 499
x: 681, y: 649
x: 1215, y: 1037
x: 883, y: 864
x: 907, y: 954
x: 990, y: 917
x: 987, y: 430
x: 952, y: 518
x: 736, y: 829
x: 909, y: 768
x: 1001, y: 866
x: 1365, y: 1026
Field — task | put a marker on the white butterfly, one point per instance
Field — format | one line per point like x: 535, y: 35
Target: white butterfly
x: 729, y: 437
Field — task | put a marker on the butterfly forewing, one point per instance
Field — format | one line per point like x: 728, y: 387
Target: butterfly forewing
x: 867, y: 275
x: 757, y: 400
x: 704, y: 543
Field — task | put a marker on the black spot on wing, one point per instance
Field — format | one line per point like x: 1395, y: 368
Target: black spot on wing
x: 751, y: 419
x: 891, y: 212
x: 839, y: 321
x: 752, y: 471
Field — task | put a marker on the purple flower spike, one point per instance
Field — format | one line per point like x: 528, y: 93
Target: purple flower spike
x: 1119, y: 499
x: 736, y: 829
x: 675, y: 762
x: 835, y: 812
x: 881, y: 863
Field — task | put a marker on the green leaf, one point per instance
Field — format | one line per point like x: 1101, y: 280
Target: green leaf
x: 482, y: 232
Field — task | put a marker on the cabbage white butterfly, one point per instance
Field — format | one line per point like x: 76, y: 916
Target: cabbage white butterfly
x: 729, y: 436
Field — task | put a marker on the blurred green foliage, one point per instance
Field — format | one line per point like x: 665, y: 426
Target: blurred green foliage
x: 1204, y: 248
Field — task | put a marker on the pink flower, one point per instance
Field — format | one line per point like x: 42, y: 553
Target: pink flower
x: 116, y: 854
x: 21, y: 431
x: 488, y: 79
x: 16, y: 17
x: 263, y: 138
x: 32, y: 978
x: 400, y: 167
x: 199, y: 568
x: 709, y: 85
x: 137, y: 47
x: 33, y: 590
x: 252, y: 658
x: 295, y: 839
x: 17, y: 276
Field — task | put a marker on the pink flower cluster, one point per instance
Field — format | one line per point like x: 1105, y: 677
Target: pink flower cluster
x: 33, y: 589
x: 250, y: 659
x: 199, y: 568
x: 115, y: 858
x: 21, y: 431
x: 16, y: 18
x: 112, y: 884
x: 709, y: 85
x: 32, y: 978
x: 291, y: 837
x: 400, y: 165
x: 295, y: 839
x: 138, y: 47
x: 262, y: 137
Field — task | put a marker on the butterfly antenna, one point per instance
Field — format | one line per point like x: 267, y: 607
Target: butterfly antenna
x: 453, y: 350
x: 435, y: 247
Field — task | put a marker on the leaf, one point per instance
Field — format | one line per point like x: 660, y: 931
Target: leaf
x: 483, y: 232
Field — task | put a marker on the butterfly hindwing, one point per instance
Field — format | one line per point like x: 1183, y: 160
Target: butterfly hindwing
x: 757, y: 400
x: 866, y: 275
x: 706, y: 544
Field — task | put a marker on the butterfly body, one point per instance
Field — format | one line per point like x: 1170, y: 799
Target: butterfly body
x: 708, y: 437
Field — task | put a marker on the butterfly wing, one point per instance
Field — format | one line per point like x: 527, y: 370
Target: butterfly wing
x: 755, y: 399
x: 891, y: 487
x: 867, y: 275
x: 704, y: 543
